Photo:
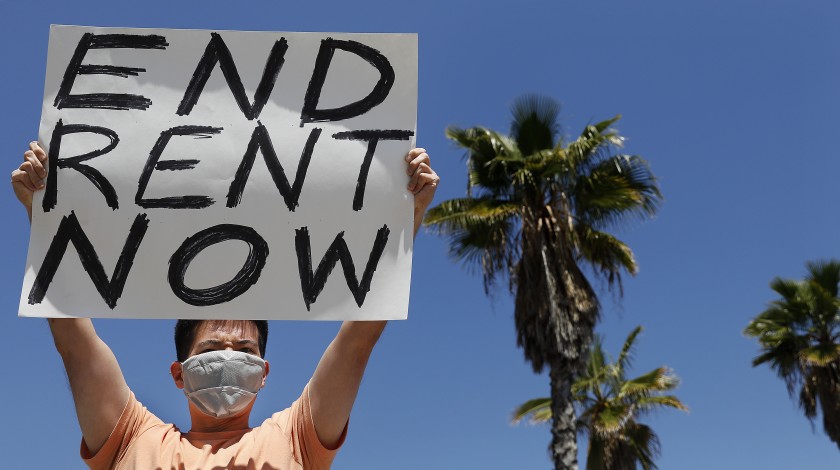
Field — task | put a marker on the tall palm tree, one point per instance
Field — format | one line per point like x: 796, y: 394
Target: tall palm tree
x: 537, y: 210
x: 800, y: 339
x: 610, y: 405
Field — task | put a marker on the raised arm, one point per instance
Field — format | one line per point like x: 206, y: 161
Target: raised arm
x: 99, y: 389
x: 336, y: 380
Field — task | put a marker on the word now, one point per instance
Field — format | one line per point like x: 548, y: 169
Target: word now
x: 311, y: 283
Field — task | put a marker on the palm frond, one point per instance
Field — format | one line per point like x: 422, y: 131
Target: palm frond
x: 658, y: 401
x: 820, y: 355
x: 808, y: 400
x: 787, y: 288
x: 551, y: 168
x: 606, y: 254
x: 657, y: 380
x: 483, y: 147
x: 536, y: 411
x: 645, y: 445
x: 534, y: 123
x: 481, y: 233
x: 617, y: 190
x: 596, y: 454
x: 594, y: 375
x: 823, y: 303
x: 786, y: 364
x: 625, y: 357
x: 468, y: 213
x: 600, y: 127
x: 593, y: 145
x: 825, y: 273
x: 611, y: 418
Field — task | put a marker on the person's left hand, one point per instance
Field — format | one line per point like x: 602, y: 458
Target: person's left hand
x: 424, y: 180
x: 30, y: 175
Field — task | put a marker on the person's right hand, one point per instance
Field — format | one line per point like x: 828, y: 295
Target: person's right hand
x: 30, y: 175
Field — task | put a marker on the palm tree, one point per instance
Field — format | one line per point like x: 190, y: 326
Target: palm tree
x: 609, y: 406
x: 535, y: 213
x: 800, y: 339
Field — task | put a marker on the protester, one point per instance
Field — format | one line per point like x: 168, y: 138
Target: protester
x: 221, y: 368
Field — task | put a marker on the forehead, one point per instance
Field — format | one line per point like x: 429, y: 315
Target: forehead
x: 226, y: 330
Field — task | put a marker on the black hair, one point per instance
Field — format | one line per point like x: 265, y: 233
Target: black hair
x: 185, y: 335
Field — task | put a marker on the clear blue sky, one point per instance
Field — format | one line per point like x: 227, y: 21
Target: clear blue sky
x: 734, y: 103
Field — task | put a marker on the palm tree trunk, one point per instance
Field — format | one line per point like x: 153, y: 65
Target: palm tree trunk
x: 555, y: 314
x: 563, y: 432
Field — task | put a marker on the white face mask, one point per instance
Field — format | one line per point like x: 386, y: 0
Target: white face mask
x: 222, y: 383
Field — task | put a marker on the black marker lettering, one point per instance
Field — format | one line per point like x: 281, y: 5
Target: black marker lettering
x: 117, y: 101
x: 372, y: 136
x: 152, y: 164
x: 174, y: 165
x: 69, y: 230
x: 310, y: 111
x: 244, y: 279
x: 217, y: 52
x: 311, y: 284
x: 260, y: 140
x: 95, y: 177
x: 123, y: 72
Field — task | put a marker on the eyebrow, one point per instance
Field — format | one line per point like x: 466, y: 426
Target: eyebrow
x: 216, y: 342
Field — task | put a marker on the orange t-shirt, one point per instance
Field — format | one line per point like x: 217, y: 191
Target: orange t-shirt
x: 140, y: 440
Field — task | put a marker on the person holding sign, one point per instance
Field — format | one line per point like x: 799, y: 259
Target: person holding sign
x: 221, y: 368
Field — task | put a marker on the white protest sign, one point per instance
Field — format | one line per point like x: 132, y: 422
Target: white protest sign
x: 224, y: 174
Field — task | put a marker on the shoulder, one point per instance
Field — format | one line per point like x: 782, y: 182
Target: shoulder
x: 298, y: 430
x: 135, y: 426
x: 278, y: 421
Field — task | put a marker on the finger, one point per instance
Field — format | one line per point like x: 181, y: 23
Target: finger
x: 19, y: 177
x: 426, y: 180
x: 30, y: 157
x: 414, y: 153
x: 30, y: 172
x: 415, y: 163
x: 39, y: 152
x: 422, y: 169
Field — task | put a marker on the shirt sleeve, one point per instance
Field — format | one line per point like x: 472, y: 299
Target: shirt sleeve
x: 308, y: 449
x: 135, y: 418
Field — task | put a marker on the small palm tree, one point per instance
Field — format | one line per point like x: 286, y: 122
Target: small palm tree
x: 609, y: 405
x: 800, y: 339
x: 537, y: 210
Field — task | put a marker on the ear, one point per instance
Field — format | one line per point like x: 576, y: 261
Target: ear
x: 177, y: 374
x: 265, y: 374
